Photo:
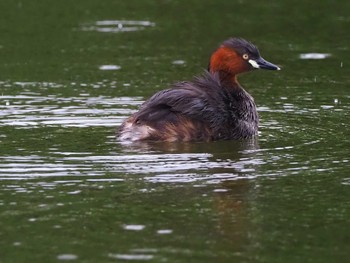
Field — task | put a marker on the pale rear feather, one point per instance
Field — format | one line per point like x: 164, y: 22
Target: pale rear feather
x: 132, y: 132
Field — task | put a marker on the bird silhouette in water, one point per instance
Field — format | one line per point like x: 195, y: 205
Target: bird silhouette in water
x: 213, y: 106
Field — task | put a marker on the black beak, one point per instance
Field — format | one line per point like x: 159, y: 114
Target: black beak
x: 263, y: 64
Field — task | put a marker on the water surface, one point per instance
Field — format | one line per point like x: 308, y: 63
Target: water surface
x: 72, y: 71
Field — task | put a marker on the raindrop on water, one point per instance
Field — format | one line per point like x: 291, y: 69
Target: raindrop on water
x: 134, y: 227
x: 67, y: 257
x: 109, y: 67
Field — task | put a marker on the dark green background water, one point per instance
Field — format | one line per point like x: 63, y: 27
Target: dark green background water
x: 69, y: 191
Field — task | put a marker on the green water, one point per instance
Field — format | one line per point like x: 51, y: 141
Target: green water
x: 70, y: 192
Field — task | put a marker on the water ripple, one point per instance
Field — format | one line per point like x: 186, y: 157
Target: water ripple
x: 34, y: 111
x: 116, y: 26
x: 152, y: 167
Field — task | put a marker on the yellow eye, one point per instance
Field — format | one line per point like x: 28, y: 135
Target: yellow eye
x: 245, y: 56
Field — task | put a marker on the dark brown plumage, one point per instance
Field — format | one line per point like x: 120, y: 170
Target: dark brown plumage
x: 213, y: 106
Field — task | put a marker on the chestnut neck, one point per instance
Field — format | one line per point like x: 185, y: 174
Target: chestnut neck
x: 228, y: 64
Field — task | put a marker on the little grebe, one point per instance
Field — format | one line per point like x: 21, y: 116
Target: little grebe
x: 213, y: 106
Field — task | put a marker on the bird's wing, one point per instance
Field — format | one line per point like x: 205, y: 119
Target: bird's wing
x: 185, y: 100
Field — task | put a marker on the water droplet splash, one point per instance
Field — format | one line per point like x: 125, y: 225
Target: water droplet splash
x: 314, y: 55
x: 134, y: 227
x: 67, y: 257
x: 179, y: 62
x: 109, y: 67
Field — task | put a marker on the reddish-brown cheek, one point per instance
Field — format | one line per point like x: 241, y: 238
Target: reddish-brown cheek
x: 225, y: 59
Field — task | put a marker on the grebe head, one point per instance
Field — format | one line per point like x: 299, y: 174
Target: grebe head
x: 237, y: 55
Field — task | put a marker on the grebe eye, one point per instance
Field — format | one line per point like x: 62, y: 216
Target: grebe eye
x: 245, y: 56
